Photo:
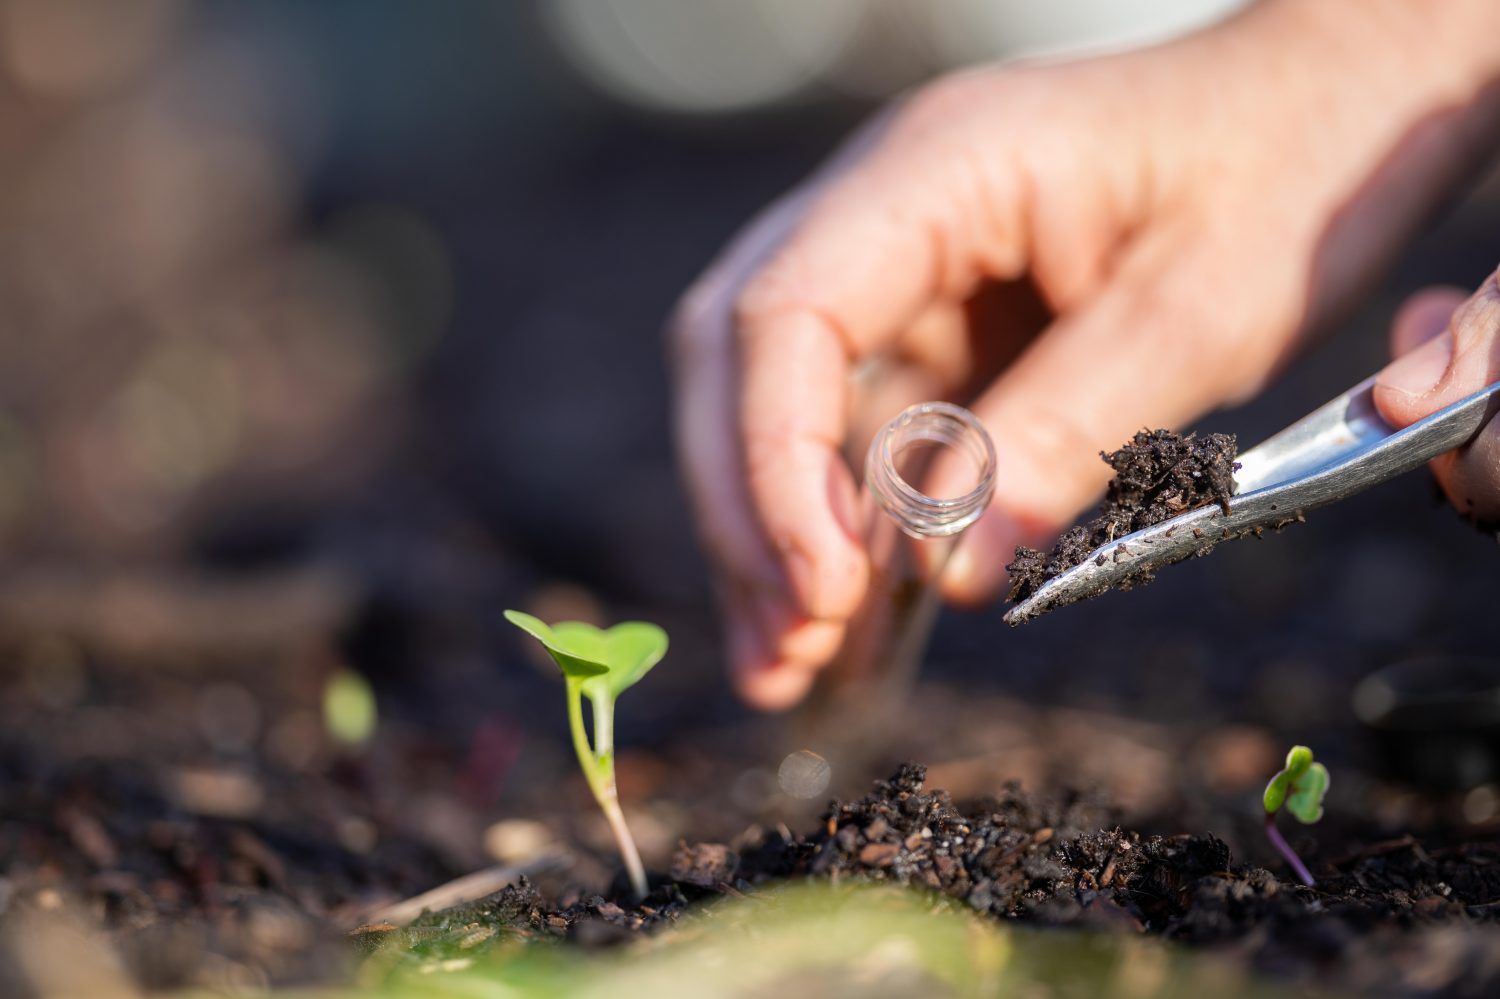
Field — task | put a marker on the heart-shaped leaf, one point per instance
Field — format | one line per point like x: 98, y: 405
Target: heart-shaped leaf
x: 574, y: 657
x: 609, y: 661
x: 1306, y: 800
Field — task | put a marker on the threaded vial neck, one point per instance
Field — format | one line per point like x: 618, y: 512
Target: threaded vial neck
x: 904, y: 451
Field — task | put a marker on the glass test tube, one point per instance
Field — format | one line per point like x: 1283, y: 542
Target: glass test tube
x: 905, y: 527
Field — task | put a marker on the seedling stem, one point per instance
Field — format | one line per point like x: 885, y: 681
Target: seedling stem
x: 600, y: 665
x: 598, y: 764
x: 1285, y: 849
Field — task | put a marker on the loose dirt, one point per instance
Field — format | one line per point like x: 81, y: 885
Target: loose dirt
x: 1376, y: 915
x: 1158, y: 475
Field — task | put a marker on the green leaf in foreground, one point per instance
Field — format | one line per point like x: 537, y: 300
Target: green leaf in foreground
x: 801, y: 939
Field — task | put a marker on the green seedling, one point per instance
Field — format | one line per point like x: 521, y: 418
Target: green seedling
x: 349, y: 711
x: 601, y: 665
x: 1299, y: 788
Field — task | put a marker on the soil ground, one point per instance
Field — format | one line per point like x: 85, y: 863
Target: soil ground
x: 1392, y: 913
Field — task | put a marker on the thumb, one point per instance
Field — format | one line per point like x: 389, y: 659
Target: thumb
x: 1134, y: 356
x: 1454, y: 361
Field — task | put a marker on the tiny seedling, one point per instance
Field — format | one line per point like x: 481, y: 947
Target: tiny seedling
x: 1299, y: 787
x: 601, y: 665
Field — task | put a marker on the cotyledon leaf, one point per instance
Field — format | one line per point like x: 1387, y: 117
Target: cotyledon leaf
x: 1306, y: 800
x: 571, y: 653
x: 609, y: 660
x: 1297, y: 763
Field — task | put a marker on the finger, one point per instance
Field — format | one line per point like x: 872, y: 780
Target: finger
x: 887, y: 240
x: 705, y: 381
x: 1133, y: 357
x: 770, y: 659
x: 949, y: 352
x: 763, y: 628
x: 1459, y: 361
x: 1423, y: 316
x: 760, y: 636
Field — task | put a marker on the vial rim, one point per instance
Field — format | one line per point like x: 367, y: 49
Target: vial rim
x: 918, y: 513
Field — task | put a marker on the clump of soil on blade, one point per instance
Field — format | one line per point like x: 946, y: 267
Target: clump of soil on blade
x: 1158, y: 475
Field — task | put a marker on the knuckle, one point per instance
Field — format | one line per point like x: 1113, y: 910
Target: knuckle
x: 765, y: 453
x: 1478, y: 319
x: 773, y: 290
x: 780, y: 462
x: 942, y: 104
x: 953, y: 109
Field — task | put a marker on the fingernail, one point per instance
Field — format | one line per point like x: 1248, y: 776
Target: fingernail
x: 1418, y: 372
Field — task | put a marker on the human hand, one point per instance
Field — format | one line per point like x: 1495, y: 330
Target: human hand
x: 1448, y: 347
x: 1074, y: 251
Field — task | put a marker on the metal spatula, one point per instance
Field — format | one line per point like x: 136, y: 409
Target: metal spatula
x: 1341, y: 448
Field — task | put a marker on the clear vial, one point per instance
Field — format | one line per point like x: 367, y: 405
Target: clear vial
x: 905, y: 528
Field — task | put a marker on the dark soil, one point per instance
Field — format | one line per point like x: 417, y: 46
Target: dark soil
x: 1158, y: 475
x: 1062, y: 863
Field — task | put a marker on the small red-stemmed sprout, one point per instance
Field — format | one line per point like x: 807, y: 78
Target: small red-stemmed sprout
x: 1299, y: 787
x: 600, y: 664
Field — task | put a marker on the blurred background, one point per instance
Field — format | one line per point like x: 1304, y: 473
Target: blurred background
x: 329, y: 330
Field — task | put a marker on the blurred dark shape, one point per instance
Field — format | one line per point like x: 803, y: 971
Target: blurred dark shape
x: 177, y: 349
x: 1434, y: 720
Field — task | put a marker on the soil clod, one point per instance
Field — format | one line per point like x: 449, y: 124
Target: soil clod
x: 1159, y: 474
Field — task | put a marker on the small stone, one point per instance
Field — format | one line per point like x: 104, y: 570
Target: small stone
x: 1432, y: 905
x: 1042, y: 835
x: 515, y: 841
x: 704, y: 864
x: 877, y: 829
x: 879, y: 854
